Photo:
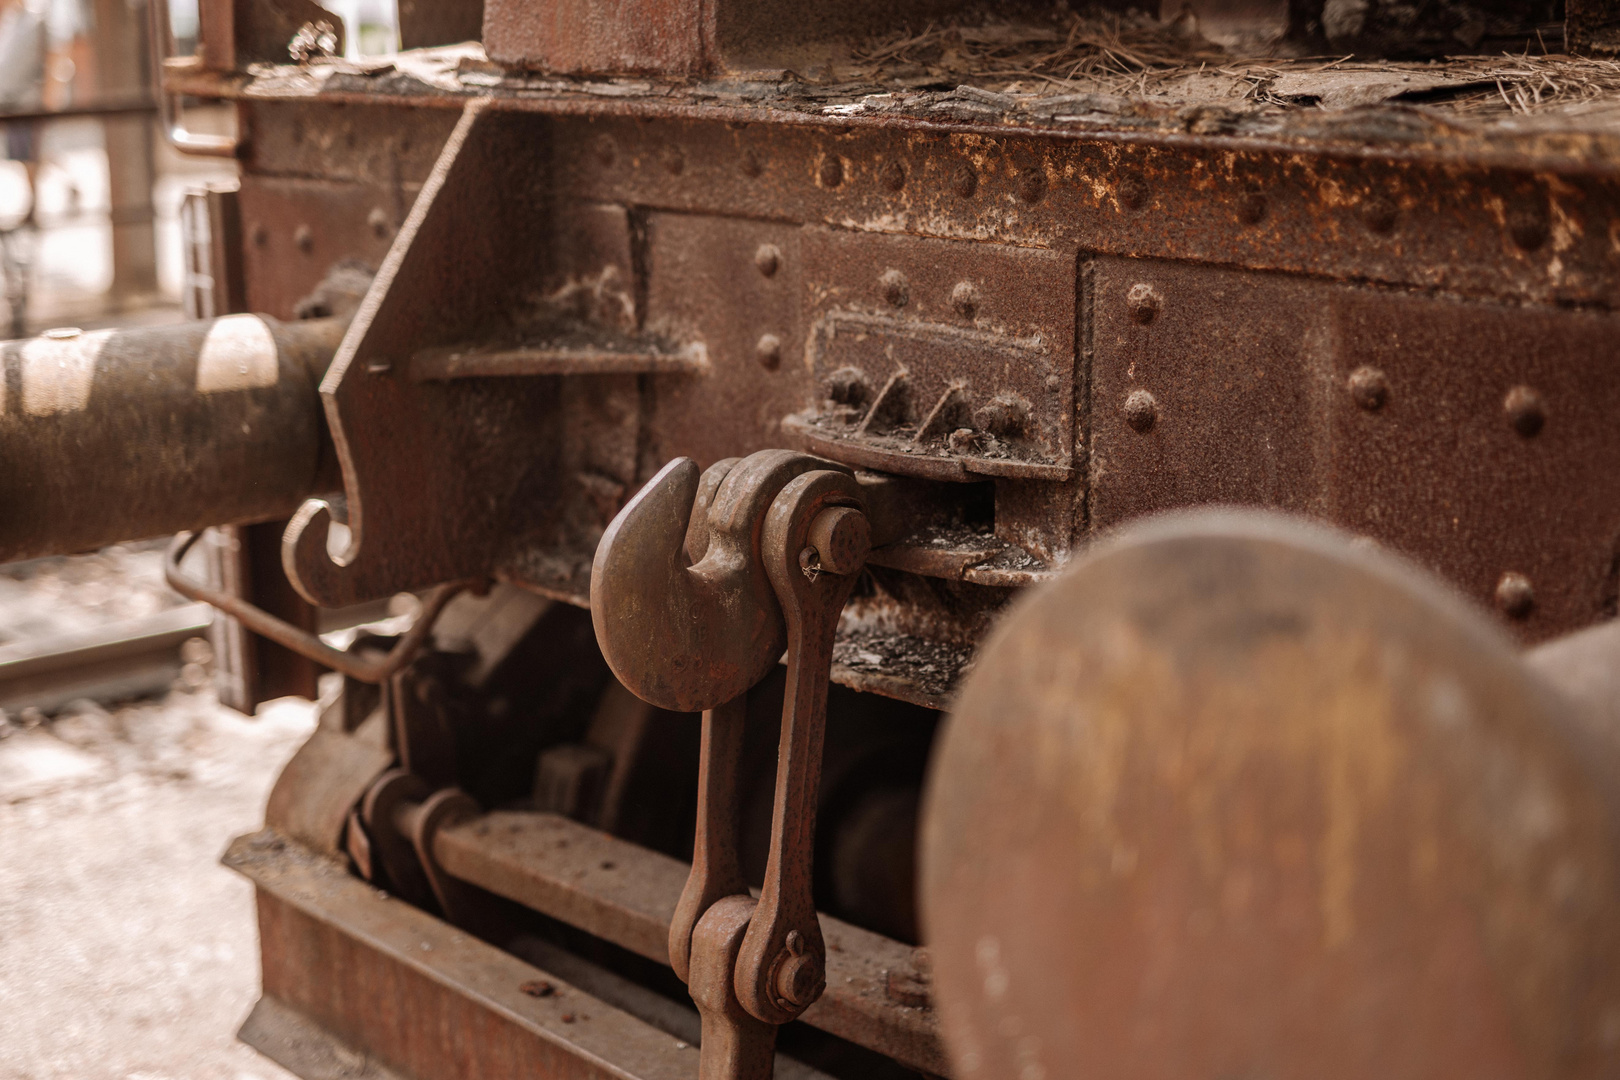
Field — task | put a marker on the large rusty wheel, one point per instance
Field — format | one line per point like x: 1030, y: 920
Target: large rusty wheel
x: 1238, y: 798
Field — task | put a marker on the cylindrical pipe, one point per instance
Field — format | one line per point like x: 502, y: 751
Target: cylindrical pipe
x: 111, y: 435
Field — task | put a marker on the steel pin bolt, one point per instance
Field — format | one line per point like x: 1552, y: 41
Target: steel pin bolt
x: 769, y: 352
x: 839, y: 537
x: 1515, y: 597
x: 1369, y: 388
x: 1526, y: 411
x: 1141, y: 411
x: 768, y: 258
x: 1143, y: 301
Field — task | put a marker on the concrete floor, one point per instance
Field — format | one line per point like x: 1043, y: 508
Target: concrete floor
x: 126, y: 951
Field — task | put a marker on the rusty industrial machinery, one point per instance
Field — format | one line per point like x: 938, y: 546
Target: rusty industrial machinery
x: 997, y: 541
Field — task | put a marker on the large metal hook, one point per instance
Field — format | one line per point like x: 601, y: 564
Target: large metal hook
x: 683, y: 608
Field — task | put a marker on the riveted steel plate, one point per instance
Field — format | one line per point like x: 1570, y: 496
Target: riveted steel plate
x: 1387, y: 413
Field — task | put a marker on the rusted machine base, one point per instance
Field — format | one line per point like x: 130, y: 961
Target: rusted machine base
x: 353, y: 976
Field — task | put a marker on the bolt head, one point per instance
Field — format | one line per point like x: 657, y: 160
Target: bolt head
x: 1132, y: 192
x: 1528, y: 227
x: 831, y: 173
x: 750, y: 164
x: 841, y: 536
x: 1032, y: 186
x: 1378, y: 214
x: 965, y: 299
x: 768, y: 259
x: 607, y: 151
x: 1007, y: 415
x: 1251, y: 207
x: 1369, y: 388
x: 965, y: 181
x: 896, y: 289
x: 261, y: 235
x: 893, y: 176
x: 1143, y: 302
x: 378, y: 220
x: 1526, y: 410
x: 1141, y: 410
x: 768, y: 352
x: 304, y: 237
x: 1515, y: 597
x: 674, y: 160
x: 848, y: 386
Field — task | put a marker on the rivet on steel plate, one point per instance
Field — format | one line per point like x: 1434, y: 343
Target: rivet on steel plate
x: 1053, y: 382
x: 1006, y: 415
x: 768, y: 258
x: 1141, y: 410
x: 304, y: 237
x: 261, y: 235
x: 768, y: 352
x: 1526, y: 410
x: 965, y: 180
x: 893, y: 176
x: 831, y: 172
x: 1369, y: 387
x: 1378, y: 213
x: 1251, y: 207
x: 848, y: 386
x: 965, y: 299
x: 896, y: 289
x: 750, y: 164
x: 1515, y: 597
x: 378, y: 220
x: 1143, y: 301
x: 607, y: 151
x: 1132, y: 191
x: 674, y: 160
x: 1528, y: 227
x: 1032, y: 186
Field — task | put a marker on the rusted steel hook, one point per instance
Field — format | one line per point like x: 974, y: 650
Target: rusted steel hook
x: 698, y: 585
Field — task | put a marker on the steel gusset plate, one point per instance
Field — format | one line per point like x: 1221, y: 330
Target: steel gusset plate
x: 444, y: 480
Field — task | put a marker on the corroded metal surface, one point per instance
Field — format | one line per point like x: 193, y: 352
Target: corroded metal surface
x: 1236, y: 796
x: 627, y: 895
x: 423, y: 997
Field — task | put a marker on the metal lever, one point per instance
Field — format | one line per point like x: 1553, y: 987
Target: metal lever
x: 750, y: 966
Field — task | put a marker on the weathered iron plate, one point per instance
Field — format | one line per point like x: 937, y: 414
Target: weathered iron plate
x: 421, y: 996
x: 1393, y: 415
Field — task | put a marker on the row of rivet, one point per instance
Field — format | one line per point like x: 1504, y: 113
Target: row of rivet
x: 1528, y: 227
x: 1523, y: 407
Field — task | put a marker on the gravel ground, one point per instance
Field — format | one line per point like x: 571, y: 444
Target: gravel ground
x: 126, y: 950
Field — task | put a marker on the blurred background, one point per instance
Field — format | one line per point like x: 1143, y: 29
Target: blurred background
x: 92, y: 227
x: 126, y: 951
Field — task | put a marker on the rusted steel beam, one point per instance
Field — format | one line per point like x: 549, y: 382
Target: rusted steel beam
x: 425, y: 999
x: 114, y: 435
x: 627, y: 894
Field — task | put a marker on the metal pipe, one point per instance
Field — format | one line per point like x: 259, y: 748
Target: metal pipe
x: 112, y: 435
